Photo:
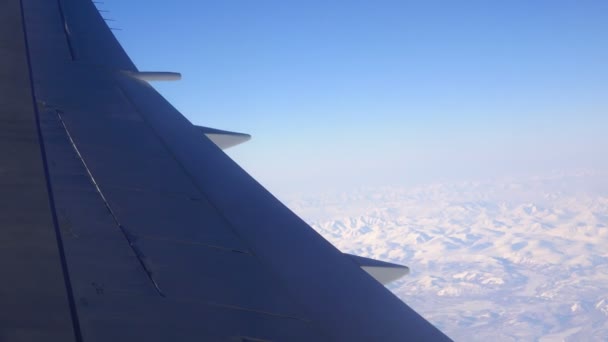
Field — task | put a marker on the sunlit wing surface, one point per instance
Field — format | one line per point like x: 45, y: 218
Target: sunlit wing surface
x: 122, y: 221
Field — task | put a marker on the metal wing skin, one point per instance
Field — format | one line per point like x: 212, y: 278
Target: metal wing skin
x: 120, y: 221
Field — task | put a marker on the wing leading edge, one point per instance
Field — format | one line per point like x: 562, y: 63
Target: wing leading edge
x: 158, y: 234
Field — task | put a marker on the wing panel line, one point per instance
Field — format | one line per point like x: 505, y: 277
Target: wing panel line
x: 60, y: 248
x: 124, y: 231
x: 66, y: 30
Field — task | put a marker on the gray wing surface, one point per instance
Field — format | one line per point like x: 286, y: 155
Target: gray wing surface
x: 122, y: 222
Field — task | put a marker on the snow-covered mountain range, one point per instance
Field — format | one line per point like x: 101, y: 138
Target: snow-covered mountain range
x: 507, y: 260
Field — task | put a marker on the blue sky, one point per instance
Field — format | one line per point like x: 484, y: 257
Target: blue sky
x: 359, y: 93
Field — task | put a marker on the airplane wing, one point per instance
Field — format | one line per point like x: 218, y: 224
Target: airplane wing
x: 122, y: 221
